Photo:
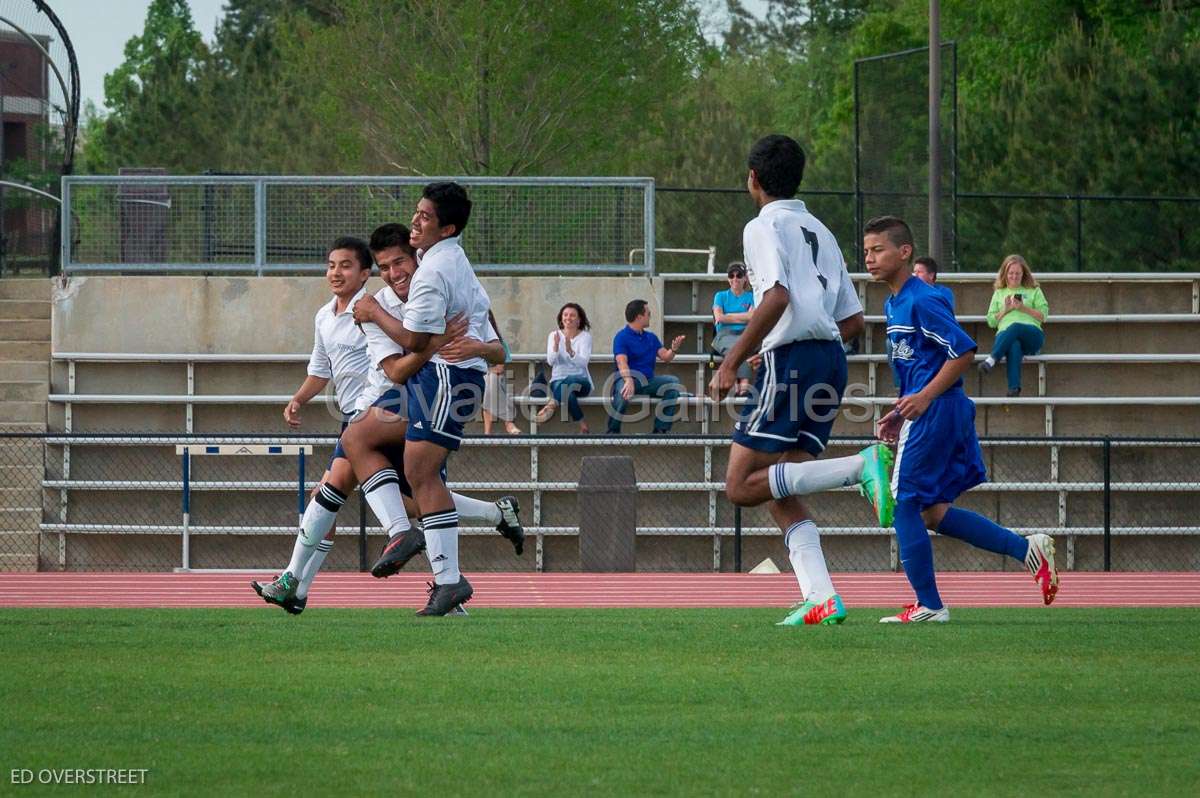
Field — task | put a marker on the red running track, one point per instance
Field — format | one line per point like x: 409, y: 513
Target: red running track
x: 594, y: 590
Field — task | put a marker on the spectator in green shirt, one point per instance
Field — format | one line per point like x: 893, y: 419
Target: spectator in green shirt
x: 1017, y: 313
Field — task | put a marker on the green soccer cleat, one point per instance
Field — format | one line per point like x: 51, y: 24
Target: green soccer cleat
x: 281, y: 590
x: 796, y: 616
x: 876, y: 482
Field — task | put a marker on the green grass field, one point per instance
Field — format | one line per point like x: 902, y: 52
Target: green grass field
x: 605, y: 702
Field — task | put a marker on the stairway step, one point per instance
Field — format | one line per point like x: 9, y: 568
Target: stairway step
x: 25, y: 351
x: 24, y: 309
x: 34, y: 371
x: 24, y: 412
x: 35, y: 288
x: 25, y: 330
x: 22, y: 391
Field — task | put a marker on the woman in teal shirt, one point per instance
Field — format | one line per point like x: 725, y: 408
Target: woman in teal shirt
x: 1017, y: 313
x: 731, y: 312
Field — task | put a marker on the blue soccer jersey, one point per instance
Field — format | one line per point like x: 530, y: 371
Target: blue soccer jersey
x: 923, y: 334
x: 938, y: 456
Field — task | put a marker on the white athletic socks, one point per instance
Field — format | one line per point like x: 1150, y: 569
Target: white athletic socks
x: 441, y: 544
x: 318, y: 519
x: 476, y: 509
x: 382, y: 490
x: 808, y: 561
x: 813, y: 476
x: 314, y: 565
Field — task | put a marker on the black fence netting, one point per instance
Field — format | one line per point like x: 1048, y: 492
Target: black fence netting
x: 87, y: 502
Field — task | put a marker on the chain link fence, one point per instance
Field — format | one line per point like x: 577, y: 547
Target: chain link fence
x: 128, y: 224
x: 92, y: 502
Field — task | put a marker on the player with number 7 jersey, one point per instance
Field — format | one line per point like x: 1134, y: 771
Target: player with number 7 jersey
x: 805, y: 306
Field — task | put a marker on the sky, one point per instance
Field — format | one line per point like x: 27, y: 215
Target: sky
x: 100, y: 28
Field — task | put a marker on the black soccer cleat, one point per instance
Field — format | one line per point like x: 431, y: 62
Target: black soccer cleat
x: 400, y: 548
x: 444, y: 598
x: 295, y: 606
x: 510, y: 522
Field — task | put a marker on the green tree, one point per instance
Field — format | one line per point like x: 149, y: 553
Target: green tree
x: 154, y: 111
x: 500, y: 87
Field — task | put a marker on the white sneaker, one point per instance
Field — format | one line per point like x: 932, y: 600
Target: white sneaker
x: 915, y: 613
x: 1040, y: 562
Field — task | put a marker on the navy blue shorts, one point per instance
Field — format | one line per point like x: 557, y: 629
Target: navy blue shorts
x: 797, y: 393
x: 338, y: 451
x: 938, y: 456
x: 441, y: 400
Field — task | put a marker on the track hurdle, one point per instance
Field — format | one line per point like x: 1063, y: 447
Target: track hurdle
x: 186, y: 452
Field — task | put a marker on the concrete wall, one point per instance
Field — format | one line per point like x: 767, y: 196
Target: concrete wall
x: 272, y: 315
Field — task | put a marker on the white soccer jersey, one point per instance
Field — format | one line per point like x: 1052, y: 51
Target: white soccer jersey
x: 786, y: 244
x: 380, y: 347
x: 444, y: 286
x: 340, y: 352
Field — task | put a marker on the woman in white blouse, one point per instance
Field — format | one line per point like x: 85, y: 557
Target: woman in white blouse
x: 568, y: 350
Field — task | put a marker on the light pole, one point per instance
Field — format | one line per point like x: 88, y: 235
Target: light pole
x: 935, y: 138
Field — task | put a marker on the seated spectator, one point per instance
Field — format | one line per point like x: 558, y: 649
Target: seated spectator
x: 636, y: 349
x: 568, y: 350
x: 497, y: 403
x: 731, y: 312
x: 1017, y: 313
x: 926, y: 269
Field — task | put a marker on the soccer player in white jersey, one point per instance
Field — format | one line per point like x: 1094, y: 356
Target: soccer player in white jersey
x: 805, y: 305
x: 443, y: 395
x: 376, y: 442
x: 390, y: 368
x: 339, y: 354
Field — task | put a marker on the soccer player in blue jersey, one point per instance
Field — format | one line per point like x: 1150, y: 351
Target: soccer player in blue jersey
x: 933, y: 428
x: 804, y: 307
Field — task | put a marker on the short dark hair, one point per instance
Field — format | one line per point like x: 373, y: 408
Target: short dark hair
x: 634, y: 309
x: 584, y: 324
x: 895, y: 228
x: 358, y: 246
x: 929, y: 263
x: 451, y: 202
x: 392, y: 234
x: 778, y: 163
x: 736, y: 267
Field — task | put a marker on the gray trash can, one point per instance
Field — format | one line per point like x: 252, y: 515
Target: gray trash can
x: 607, y: 514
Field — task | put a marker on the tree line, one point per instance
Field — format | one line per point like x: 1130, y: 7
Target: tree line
x: 1053, y: 96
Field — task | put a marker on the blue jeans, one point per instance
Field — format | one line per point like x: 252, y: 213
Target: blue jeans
x: 573, y: 388
x: 665, y: 387
x: 1017, y: 341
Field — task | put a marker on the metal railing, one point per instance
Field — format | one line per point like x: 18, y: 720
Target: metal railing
x: 1058, y: 232
x: 284, y: 224
x: 1114, y: 503
x: 871, y: 401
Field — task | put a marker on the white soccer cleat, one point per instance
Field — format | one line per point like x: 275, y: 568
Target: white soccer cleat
x: 1040, y: 562
x: 915, y: 613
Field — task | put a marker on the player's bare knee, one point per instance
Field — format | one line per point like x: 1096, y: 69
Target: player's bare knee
x: 932, y: 516
x: 341, y: 476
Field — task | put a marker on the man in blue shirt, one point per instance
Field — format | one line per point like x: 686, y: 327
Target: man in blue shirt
x: 933, y: 428
x: 926, y: 269
x: 731, y: 312
x: 636, y: 348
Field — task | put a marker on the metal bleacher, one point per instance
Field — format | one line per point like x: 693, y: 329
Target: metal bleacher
x: 1080, y: 392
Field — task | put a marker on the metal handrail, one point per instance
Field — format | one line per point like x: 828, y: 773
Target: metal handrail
x: 975, y: 277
